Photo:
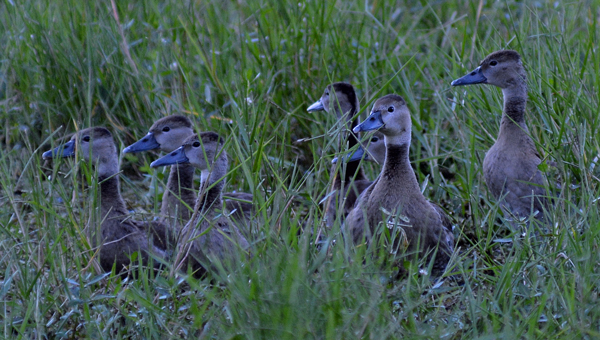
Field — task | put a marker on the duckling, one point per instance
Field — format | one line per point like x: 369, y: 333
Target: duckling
x: 120, y: 236
x: 375, y: 152
x: 340, y: 98
x: 168, y: 134
x: 397, y: 189
x: 212, y: 237
x: 510, y: 167
x: 372, y: 150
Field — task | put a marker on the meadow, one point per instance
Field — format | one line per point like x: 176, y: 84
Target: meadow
x: 248, y: 70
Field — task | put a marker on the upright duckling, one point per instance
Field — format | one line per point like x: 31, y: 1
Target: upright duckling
x: 119, y: 236
x: 510, y: 167
x: 340, y: 99
x: 397, y: 189
x: 373, y: 150
x: 168, y: 134
x: 211, y: 236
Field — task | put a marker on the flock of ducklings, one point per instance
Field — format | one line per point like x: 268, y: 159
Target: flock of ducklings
x: 205, y: 236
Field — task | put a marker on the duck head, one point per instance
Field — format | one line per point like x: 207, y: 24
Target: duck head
x: 373, y: 149
x: 95, y: 144
x: 198, y: 150
x: 166, y: 134
x: 339, y: 98
x: 501, y: 68
x: 391, y: 117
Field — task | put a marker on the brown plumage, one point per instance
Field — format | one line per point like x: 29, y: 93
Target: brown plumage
x: 119, y: 236
x: 511, y: 165
x: 208, y: 236
x: 340, y: 99
x: 168, y: 134
x: 397, y: 191
x: 374, y: 150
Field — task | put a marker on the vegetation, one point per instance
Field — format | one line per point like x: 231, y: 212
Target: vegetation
x: 248, y: 70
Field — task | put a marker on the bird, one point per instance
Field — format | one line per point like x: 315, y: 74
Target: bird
x: 119, y: 236
x: 340, y: 99
x: 168, y: 134
x: 208, y: 237
x: 396, y: 191
x: 372, y: 150
x: 511, y: 165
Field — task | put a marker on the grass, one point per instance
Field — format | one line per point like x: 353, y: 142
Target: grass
x: 75, y: 64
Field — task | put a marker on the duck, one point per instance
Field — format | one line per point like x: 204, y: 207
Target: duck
x: 373, y: 150
x: 370, y: 150
x: 340, y: 99
x: 396, y: 190
x: 168, y: 134
x: 209, y: 235
x: 511, y: 165
x: 119, y: 236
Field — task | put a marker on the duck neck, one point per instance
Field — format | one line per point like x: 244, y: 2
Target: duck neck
x: 515, y: 102
x: 110, y: 190
x: 353, y: 169
x: 351, y: 139
x: 210, y: 199
x: 353, y: 172
x: 396, y: 168
x: 181, y: 177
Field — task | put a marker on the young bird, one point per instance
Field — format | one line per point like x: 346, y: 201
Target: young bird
x: 119, y: 236
x: 208, y: 237
x: 396, y: 191
x: 168, y: 134
x: 340, y: 99
x: 510, y: 167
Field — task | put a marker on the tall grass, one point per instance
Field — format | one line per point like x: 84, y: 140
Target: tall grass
x: 248, y: 70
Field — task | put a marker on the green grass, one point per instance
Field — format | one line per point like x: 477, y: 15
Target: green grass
x: 260, y: 64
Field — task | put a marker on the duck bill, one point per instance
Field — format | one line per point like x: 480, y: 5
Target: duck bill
x: 475, y: 77
x: 358, y: 155
x: 373, y: 122
x: 144, y: 144
x: 65, y: 150
x: 316, y: 106
x: 176, y: 157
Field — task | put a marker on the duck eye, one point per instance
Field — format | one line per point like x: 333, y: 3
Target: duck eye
x: 196, y: 144
x: 166, y: 129
x: 86, y: 138
x: 391, y: 109
x: 374, y: 139
x: 493, y: 63
x: 327, y: 92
